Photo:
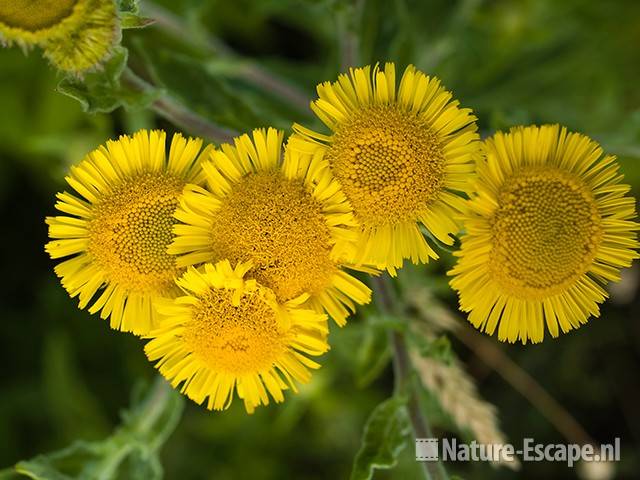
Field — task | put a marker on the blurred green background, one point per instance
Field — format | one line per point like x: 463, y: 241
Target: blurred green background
x: 65, y: 375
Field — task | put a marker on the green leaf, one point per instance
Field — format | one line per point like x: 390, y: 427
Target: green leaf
x: 9, y: 474
x: 130, y: 453
x: 132, y: 20
x: 385, y: 436
x: 104, y: 91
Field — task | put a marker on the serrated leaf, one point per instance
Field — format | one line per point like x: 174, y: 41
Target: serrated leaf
x: 385, y: 436
x: 104, y: 91
x: 131, y: 452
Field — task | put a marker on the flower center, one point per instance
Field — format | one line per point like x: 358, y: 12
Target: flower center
x: 389, y: 163
x: 545, y: 232
x: 33, y: 15
x: 279, y: 226
x: 131, y: 230
x: 235, y: 339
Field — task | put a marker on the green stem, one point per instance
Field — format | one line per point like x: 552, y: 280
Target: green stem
x: 154, y: 406
x: 403, y: 373
x: 254, y: 74
x: 178, y: 114
x: 150, y: 412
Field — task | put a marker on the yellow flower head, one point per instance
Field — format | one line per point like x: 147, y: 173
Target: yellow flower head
x: 117, y: 232
x: 548, y: 226
x: 227, y: 333
x: 399, y: 157
x: 287, y: 216
x: 77, y: 35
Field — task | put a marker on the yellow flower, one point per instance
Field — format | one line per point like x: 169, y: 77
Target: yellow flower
x: 399, y: 156
x: 288, y: 217
x: 548, y: 226
x: 77, y: 35
x: 227, y: 333
x: 117, y: 232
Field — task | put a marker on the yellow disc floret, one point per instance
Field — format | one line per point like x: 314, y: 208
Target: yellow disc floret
x: 229, y: 333
x: 131, y: 230
x: 117, y: 230
x: 34, y: 15
x: 288, y: 238
x: 236, y: 338
x: 546, y: 232
x: 76, y: 35
x: 390, y: 164
x: 547, y: 227
x: 402, y: 154
x: 288, y: 216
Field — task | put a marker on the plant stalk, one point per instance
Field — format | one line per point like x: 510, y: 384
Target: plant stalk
x: 252, y: 73
x: 403, y: 374
x: 178, y: 114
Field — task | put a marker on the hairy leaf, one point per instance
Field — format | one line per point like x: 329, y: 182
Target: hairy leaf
x: 385, y: 435
x: 104, y: 91
x: 130, y: 453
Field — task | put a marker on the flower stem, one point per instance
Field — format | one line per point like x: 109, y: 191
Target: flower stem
x: 251, y: 72
x: 178, y: 114
x: 155, y: 405
x: 403, y: 373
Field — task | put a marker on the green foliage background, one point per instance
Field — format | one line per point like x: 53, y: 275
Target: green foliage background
x: 66, y: 376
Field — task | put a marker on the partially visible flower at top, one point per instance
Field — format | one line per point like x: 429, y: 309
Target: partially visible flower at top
x: 229, y: 334
x: 117, y: 232
x: 285, y: 215
x: 401, y: 157
x: 548, y: 226
x: 76, y: 35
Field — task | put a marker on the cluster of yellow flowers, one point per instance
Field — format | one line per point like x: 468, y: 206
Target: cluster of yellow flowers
x: 230, y: 260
